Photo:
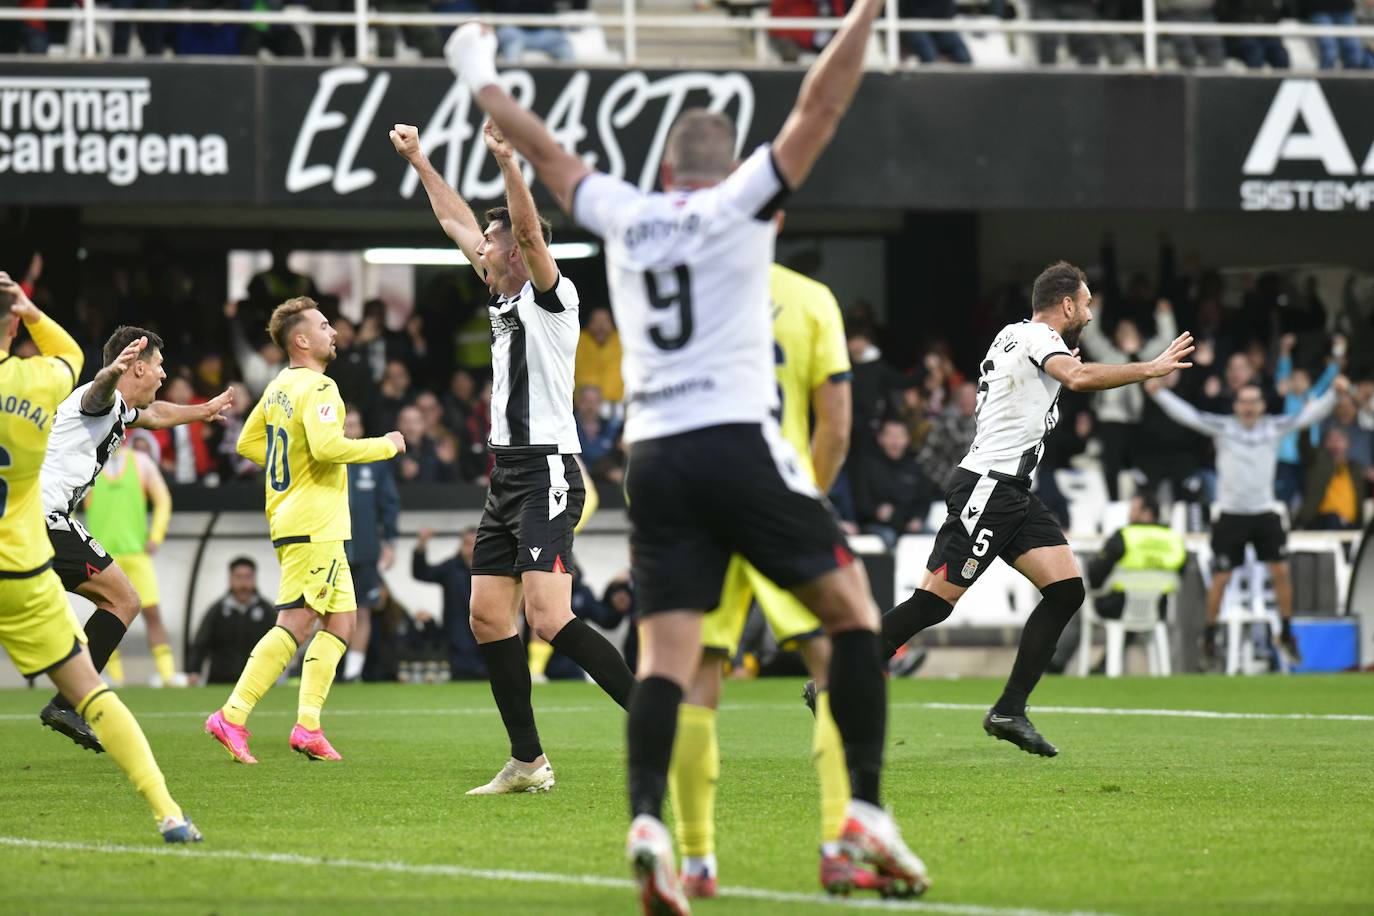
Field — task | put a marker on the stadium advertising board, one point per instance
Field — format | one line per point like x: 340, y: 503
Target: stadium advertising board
x: 168, y: 132
x: 1289, y: 144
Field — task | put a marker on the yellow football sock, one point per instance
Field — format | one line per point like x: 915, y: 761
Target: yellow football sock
x: 540, y: 653
x: 166, y: 663
x: 317, y: 675
x: 123, y: 740
x: 114, y: 669
x: 828, y: 752
x: 269, y: 659
x: 692, y: 780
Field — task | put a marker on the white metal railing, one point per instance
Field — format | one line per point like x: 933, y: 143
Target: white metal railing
x: 631, y: 23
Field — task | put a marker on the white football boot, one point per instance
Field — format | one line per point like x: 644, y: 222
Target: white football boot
x: 518, y: 776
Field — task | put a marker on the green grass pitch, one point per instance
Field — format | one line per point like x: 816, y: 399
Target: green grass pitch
x: 1140, y: 814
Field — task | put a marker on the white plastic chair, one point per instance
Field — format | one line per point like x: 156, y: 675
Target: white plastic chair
x: 1244, y: 605
x: 1142, y: 588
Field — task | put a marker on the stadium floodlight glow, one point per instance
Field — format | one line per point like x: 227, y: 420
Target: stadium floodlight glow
x: 452, y: 257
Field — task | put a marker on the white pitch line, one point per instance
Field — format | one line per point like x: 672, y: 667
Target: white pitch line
x: 527, y: 877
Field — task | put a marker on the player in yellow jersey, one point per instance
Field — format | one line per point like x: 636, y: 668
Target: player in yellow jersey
x: 297, y: 433
x: 813, y: 378
x: 117, y: 514
x: 37, y: 629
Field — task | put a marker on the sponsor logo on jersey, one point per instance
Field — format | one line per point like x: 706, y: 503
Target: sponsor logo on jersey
x: 970, y: 568
x: 326, y: 413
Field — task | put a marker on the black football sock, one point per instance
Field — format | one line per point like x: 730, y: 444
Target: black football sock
x: 922, y: 610
x: 508, y: 669
x: 1059, y: 601
x: 598, y: 658
x: 649, y: 731
x: 103, y: 634
x: 858, y: 704
x: 1210, y: 632
x: 1285, y: 627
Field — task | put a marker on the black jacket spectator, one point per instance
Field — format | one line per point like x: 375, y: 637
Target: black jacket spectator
x: 454, y: 576
x: 375, y: 506
x: 891, y: 493
x: 226, y: 636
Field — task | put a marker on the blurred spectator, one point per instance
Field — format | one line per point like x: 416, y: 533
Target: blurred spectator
x: 186, y: 456
x: 152, y: 35
x: 475, y: 462
x: 876, y: 385
x: 1219, y: 390
x: 273, y: 286
x: 349, y: 368
x: 516, y: 40
x: 1364, y: 403
x: 1118, y: 411
x: 231, y: 627
x: 423, y: 38
x: 280, y: 39
x: 25, y: 36
x: 939, y: 377
x: 619, y: 601
x: 1296, y: 388
x: 1191, y: 50
x: 891, y: 493
x: 374, y: 508
x: 597, y: 435
x: 1359, y: 441
x: 454, y: 576
x: 1067, y: 439
x: 951, y: 435
x: 1252, y: 50
x: 586, y: 605
x: 326, y: 35
x: 1145, y: 543
x: 1086, y: 49
x: 1174, y: 453
x: 424, y: 461
x: 460, y: 401
x: 598, y: 356
x: 931, y: 47
x: 231, y: 463
x: 393, y: 394
x: 1336, y: 486
x: 791, y: 43
x: 1351, y: 51
x: 916, y: 416
x: 401, y: 645
x: 258, y: 362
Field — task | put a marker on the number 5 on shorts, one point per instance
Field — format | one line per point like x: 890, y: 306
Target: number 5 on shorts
x: 980, y: 543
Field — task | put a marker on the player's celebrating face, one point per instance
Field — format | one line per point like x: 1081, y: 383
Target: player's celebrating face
x: 144, y: 378
x: 498, y: 256
x: 1063, y: 289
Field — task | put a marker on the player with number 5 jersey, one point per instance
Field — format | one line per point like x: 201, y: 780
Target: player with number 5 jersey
x: 296, y: 433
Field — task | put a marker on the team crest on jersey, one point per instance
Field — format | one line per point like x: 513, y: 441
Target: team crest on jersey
x: 96, y: 548
x: 970, y: 567
x: 324, y: 591
x: 326, y: 413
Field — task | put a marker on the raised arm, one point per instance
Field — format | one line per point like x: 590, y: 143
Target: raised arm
x: 1080, y: 376
x: 471, y: 53
x: 825, y: 95
x: 155, y: 488
x: 455, y: 216
x: 162, y: 414
x: 524, y: 218
x: 100, y: 396
x: 1315, y: 410
x: 52, y: 340
x: 1166, y: 326
x: 322, y: 417
x: 1185, y: 414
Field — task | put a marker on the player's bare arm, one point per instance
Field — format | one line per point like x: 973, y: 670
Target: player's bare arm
x: 524, y: 217
x: 163, y: 414
x: 455, y: 216
x: 100, y: 396
x: 471, y: 53
x: 825, y: 95
x: 832, y: 404
x: 50, y: 338
x: 1080, y: 376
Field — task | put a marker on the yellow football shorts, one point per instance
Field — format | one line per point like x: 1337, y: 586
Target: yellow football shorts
x: 315, y: 575
x: 787, y: 617
x: 37, y: 626
x: 139, y: 568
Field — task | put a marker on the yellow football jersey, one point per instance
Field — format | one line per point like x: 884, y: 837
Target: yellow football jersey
x: 30, y: 390
x: 809, y: 349
x: 296, y: 433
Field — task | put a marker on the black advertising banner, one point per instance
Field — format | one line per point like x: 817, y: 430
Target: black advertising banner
x: 910, y: 141
x: 1283, y: 144
x: 150, y: 133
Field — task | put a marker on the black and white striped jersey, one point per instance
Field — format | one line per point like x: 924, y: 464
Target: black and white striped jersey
x: 688, y: 273
x: 1018, y: 401
x: 533, y: 347
x: 78, y: 447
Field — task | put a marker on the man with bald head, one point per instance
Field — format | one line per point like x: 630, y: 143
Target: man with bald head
x: 1247, y: 446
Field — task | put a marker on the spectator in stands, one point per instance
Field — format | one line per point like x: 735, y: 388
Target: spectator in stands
x: 598, y: 356
x: 1359, y: 441
x: 1086, y: 49
x: 459, y: 401
x: 1351, y: 51
x: 259, y: 360
x: 454, y: 576
x: 476, y: 460
x: 432, y: 413
x: 1336, y: 486
x: 876, y: 385
x: 891, y: 493
x: 1296, y: 388
x: 273, y: 286
x: 931, y: 47
x: 1069, y: 438
x: 186, y: 455
x: 24, y: 37
x: 423, y: 38
x: 598, y: 436
x: 350, y: 369
x: 792, y: 43
x: 1254, y: 51
x: 619, y: 600
x: 231, y: 627
x: 374, y: 508
x: 951, y: 435
x: 232, y: 465
x: 516, y: 40
x: 152, y: 35
x: 401, y: 644
x: 916, y: 416
x: 1172, y: 455
x: 393, y: 394
x: 280, y: 39
x: 1190, y: 50
x: 1118, y: 411
x: 424, y: 460
x: 326, y: 35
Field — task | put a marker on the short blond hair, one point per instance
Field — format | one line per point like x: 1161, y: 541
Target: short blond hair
x: 286, y: 316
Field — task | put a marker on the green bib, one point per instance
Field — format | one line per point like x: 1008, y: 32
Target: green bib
x: 117, y: 513
x: 1152, y: 548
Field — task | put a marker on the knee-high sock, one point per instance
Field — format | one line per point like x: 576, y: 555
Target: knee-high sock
x: 317, y: 675
x: 509, y: 672
x: 540, y: 653
x: 922, y: 610
x: 166, y: 663
x: 269, y: 659
x: 649, y: 731
x: 598, y: 658
x: 123, y: 740
x: 828, y: 753
x: 692, y: 778
x: 103, y: 633
x: 114, y: 668
x: 1059, y: 601
x: 858, y: 703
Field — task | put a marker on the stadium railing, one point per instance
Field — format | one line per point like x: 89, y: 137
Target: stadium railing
x: 633, y: 24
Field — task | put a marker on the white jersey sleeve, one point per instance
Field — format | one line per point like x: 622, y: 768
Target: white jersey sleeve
x: 561, y: 297
x: 600, y: 202
x: 756, y: 189
x: 1042, y: 342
